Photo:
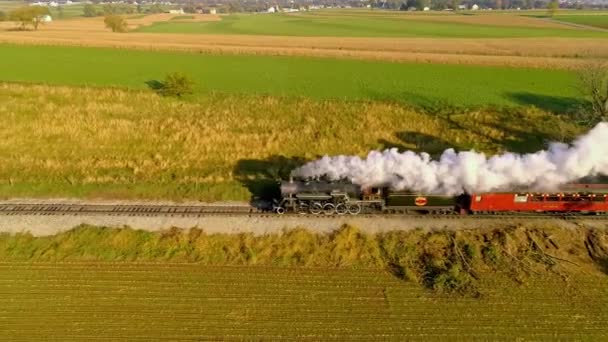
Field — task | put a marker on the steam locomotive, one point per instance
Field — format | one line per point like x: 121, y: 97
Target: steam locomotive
x: 341, y: 198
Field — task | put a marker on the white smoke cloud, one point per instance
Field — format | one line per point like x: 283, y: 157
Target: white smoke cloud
x: 456, y: 172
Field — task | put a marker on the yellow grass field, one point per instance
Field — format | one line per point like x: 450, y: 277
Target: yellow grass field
x: 87, y: 142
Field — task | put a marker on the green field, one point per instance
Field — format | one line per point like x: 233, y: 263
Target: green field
x: 90, y: 282
x: 597, y: 20
x: 418, y: 84
x: 344, y: 25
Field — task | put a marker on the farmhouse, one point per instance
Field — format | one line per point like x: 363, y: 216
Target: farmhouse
x: 176, y: 11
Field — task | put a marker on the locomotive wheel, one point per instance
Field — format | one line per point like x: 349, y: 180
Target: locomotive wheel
x: 354, y: 209
x: 329, y: 209
x: 341, y: 209
x: 316, y: 208
x: 280, y: 210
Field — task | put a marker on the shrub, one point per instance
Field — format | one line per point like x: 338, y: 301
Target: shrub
x: 116, y: 23
x: 176, y: 84
x: 593, y: 84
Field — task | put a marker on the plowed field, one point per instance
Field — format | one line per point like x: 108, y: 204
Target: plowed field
x: 126, y: 301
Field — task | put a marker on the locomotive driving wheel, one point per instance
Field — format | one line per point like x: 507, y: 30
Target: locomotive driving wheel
x: 316, y: 208
x: 329, y: 209
x: 354, y: 209
x: 341, y: 209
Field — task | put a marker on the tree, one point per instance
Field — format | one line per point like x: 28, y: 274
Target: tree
x: 60, y: 13
x: 424, y: 3
x: 593, y: 84
x: 189, y: 8
x: 116, y: 23
x: 29, y: 15
x: 455, y: 4
x: 552, y: 7
x: 176, y: 84
x: 89, y: 11
x: 156, y: 8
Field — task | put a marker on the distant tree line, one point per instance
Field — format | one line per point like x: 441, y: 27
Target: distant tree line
x: 91, y: 10
x: 453, y: 4
x: 232, y: 6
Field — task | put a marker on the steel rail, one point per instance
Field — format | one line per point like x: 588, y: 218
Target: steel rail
x: 40, y: 209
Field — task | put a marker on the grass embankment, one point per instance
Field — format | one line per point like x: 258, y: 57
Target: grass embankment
x: 367, y: 24
x: 89, y: 142
x: 290, y: 76
x: 487, y: 284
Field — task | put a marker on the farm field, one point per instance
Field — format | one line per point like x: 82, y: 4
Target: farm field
x: 135, y: 301
x: 418, y: 84
x: 542, y: 52
x: 597, y: 20
x: 84, y: 283
x: 272, y: 92
x: 116, y: 143
x: 7, y: 6
x: 366, y: 24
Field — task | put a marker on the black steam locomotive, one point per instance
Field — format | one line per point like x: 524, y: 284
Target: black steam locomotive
x: 341, y: 198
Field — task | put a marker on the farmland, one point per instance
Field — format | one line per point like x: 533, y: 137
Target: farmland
x: 365, y: 24
x: 80, y: 121
x: 281, y: 76
x: 81, y: 284
x: 135, y: 301
x: 599, y: 20
x: 117, y: 143
x: 551, y: 51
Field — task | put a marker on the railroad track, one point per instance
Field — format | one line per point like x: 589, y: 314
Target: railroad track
x: 235, y: 210
x: 124, y: 210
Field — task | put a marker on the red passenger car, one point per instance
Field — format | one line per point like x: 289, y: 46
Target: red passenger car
x: 573, y: 198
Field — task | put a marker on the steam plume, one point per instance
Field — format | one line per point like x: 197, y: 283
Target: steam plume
x: 470, y: 171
